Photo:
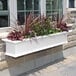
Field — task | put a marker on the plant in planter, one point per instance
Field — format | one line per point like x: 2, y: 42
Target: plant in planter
x: 35, y: 27
x: 62, y: 25
x: 37, y: 34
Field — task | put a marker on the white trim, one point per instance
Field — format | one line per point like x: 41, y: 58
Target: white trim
x: 67, y: 3
x: 65, y: 6
x: 43, y: 7
x: 12, y: 11
x: 75, y: 3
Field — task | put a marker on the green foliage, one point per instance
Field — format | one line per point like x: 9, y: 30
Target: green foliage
x: 38, y: 26
x: 44, y: 27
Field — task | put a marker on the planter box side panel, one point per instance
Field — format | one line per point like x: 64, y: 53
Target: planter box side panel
x: 10, y: 49
x: 33, y: 45
x: 59, y: 39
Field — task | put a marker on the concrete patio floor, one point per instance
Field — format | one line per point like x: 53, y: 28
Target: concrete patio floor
x: 66, y: 67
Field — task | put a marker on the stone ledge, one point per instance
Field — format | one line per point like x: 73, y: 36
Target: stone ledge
x: 69, y: 44
x: 2, y: 47
x: 71, y: 38
x: 3, y: 35
x: 2, y: 56
x: 72, y: 33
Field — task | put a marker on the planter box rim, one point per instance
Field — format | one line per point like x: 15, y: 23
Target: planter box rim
x: 37, y: 37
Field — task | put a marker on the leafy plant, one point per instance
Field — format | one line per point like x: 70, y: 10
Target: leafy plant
x: 27, y: 24
x: 15, y: 35
x: 36, y: 26
x: 62, y: 25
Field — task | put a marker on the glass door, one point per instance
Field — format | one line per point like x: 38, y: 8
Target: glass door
x: 3, y: 13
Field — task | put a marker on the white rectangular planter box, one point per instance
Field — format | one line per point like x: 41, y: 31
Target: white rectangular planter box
x: 31, y: 45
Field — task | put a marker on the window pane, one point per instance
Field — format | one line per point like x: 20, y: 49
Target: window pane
x: 3, y: 13
x: 49, y: 5
x: 3, y: 5
x: 3, y: 21
x: 36, y: 13
x: 25, y: 7
x: 21, y: 18
x: 36, y: 4
x: 71, y: 3
x: 54, y: 8
x: 20, y: 4
x: 29, y: 4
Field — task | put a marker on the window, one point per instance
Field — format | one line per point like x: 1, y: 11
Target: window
x: 3, y: 13
x: 25, y: 7
x: 54, y: 8
x: 71, y: 3
x: 20, y: 9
